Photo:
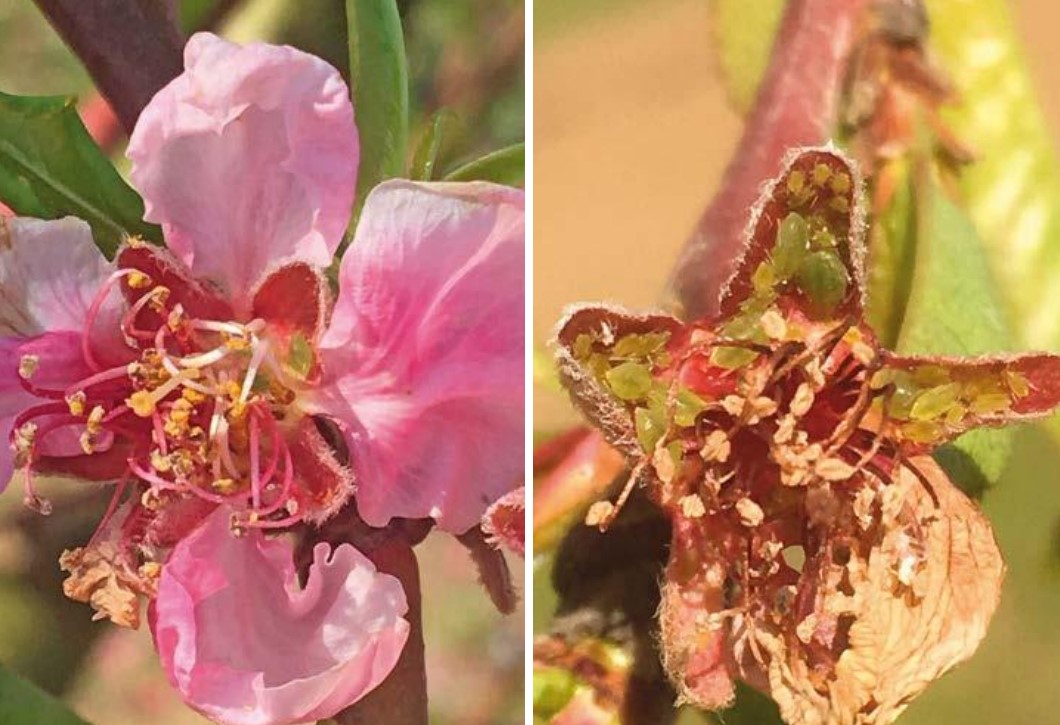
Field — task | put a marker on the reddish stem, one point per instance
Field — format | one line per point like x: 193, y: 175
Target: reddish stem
x: 796, y: 106
x: 402, y: 697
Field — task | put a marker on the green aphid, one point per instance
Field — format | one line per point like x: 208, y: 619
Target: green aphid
x: 629, y: 381
x: 823, y: 279
x: 300, y: 356
x: 935, y: 402
x: 583, y: 347
x: 553, y: 690
x: 821, y: 174
x: 922, y: 432
x: 790, y: 249
x: 928, y: 376
x: 990, y: 403
x: 905, y: 392
x: 687, y: 407
x: 598, y: 364
x: 732, y: 358
x: 764, y: 281
x: 1017, y: 383
x: 641, y: 346
x: 821, y: 237
x: 651, y: 426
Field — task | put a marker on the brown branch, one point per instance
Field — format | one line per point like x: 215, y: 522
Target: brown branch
x: 796, y: 105
x: 131, y: 48
x: 402, y: 697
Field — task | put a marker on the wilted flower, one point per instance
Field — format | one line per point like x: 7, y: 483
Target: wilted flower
x: 818, y: 552
x: 214, y: 380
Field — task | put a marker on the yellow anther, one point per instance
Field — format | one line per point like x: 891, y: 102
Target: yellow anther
x: 192, y: 396
x: 224, y: 486
x: 87, y: 442
x: 95, y: 419
x: 138, y: 280
x: 232, y: 389
x: 135, y: 242
x: 27, y: 366
x: 76, y: 403
x: 142, y: 402
x: 151, y: 500
x: 150, y: 569
x: 238, y: 411
x: 162, y: 464
x: 237, y: 343
x: 24, y: 436
x: 159, y: 295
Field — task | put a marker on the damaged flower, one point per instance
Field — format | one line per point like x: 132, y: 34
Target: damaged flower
x: 818, y: 552
x: 216, y: 381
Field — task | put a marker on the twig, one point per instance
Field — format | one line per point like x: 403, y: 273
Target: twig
x: 131, y: 48
x: 796, y: 106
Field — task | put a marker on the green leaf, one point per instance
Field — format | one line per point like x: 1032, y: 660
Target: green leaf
x: 505, y: 166
x: 380, y: 80
x: 1012, y: 189
x: 50, y: 168
x: 744, y: 31
x: 22, y: 703
x: 429, y: 151
x: 954, y: 309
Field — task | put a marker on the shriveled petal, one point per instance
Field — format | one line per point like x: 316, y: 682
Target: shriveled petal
x: 915, y: 612
x: 805, y: 242
x: 247, y: 159
x: 935, y: 399
x: 423, y: 361
x: 245, y: 645
x: 586, y: 341
x: 50, y: 272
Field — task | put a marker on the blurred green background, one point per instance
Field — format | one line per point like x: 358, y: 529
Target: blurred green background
x: 465, y: 55
x: 632, y: 131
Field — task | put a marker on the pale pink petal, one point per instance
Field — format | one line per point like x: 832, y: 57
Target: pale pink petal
x: 247, y: 159
x: 245, y: 645
x: 423, y: 362
x: 50, y: 271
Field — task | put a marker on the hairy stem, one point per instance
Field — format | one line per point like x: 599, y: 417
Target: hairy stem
x: 796, y: 105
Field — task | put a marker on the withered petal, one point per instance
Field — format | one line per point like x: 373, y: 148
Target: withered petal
x: 595, y: 401
x: 818, y: 183
x: 948, y: 396
x: 903, y: 637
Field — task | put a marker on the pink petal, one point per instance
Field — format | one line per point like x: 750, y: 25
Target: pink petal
x: 50, y: 271
x: 245, y: 645
x: 423, y: 362
x: 248, y: 159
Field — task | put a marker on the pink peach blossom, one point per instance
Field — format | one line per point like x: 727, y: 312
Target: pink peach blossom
x: 206, y: 378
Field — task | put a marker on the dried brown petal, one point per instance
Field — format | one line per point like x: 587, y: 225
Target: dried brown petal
x: 900, y: 638
x: 98, y: 578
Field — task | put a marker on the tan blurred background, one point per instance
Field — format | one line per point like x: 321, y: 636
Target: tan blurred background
x: 632, y: 131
